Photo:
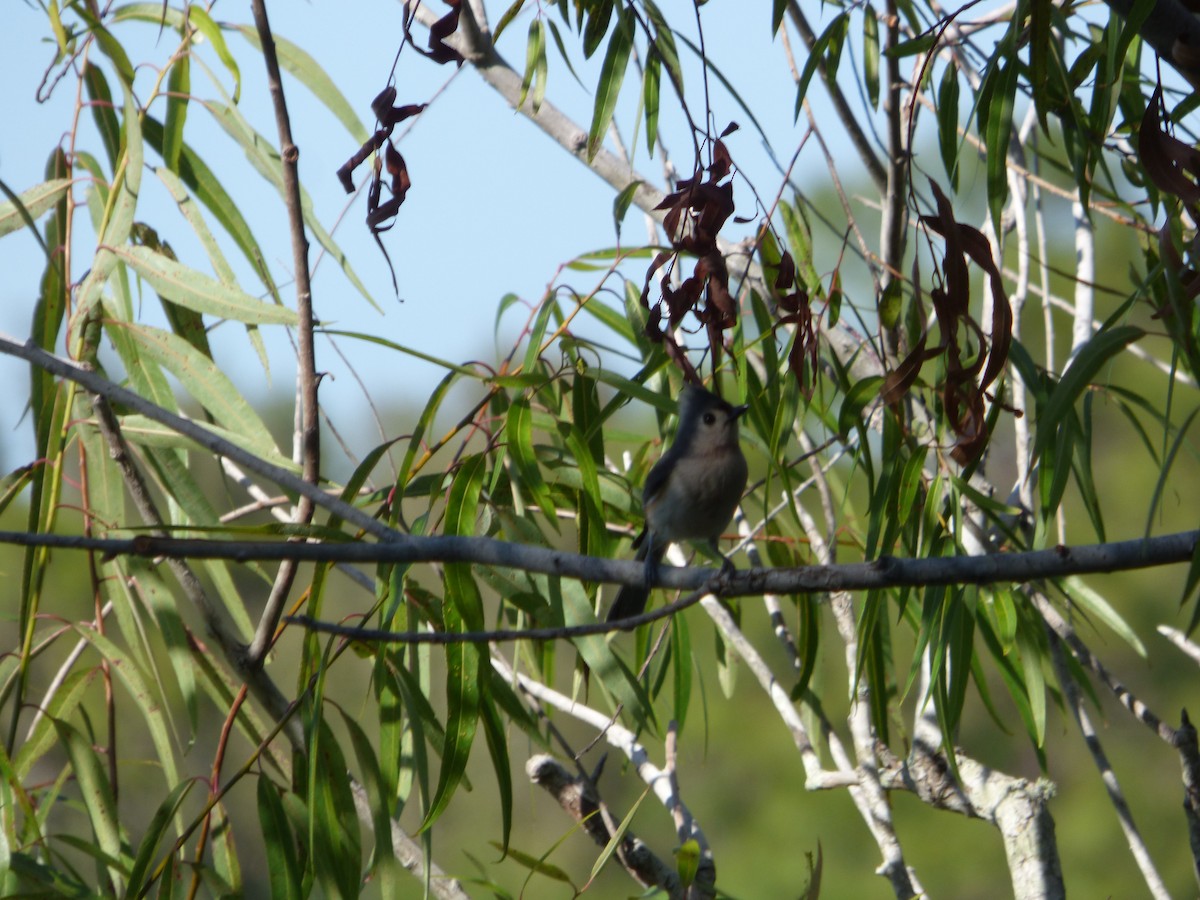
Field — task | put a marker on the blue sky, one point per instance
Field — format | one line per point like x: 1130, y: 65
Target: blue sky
x: 495, y: 206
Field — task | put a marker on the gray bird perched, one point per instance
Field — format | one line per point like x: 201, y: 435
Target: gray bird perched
x: 692, y: 491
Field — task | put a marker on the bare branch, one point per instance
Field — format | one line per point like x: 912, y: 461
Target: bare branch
x: 309, y: 443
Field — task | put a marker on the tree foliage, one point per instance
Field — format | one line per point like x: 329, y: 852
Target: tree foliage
x: 943, y: 411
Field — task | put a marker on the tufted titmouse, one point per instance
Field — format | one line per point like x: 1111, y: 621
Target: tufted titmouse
x: 692, y: 491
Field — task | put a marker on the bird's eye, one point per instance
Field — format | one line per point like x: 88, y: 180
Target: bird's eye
x: 709, y: 418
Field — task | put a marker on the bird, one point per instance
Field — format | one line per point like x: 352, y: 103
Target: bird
x: 692, y: 491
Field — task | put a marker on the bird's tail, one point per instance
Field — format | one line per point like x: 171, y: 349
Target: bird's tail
x: 631, y: 599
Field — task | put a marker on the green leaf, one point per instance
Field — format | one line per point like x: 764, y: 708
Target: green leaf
x: 871, y: 55
x: 102, y: 112
x: 1091, y: 357
x: 622, y: 203
x: 179, y: 85
x: 372, y: 782
x: 98, y: 800
x: 612, y: 73
x: 265, y: 159
x: 535, y: 56
x: 187, y: 207
x: 920, y: 44
x: 947, y: 119
x: 651, y: 78
x: 333, y: 822
x: 283, y: 863
x: 59, y: 705
x: 505, y: 19
x: 160, y: 13
x: 205, y: 381
x: 200, y: 292
x: 497, y: 742
x: 524, y: 457
x: 615, y: 676
x: 309, y: 73
x: 857, y: 399
x: 777, y: 11
x: 997, y: 136
x: 1035, y: 684
x: 1092, y: 601
x: 664, y: 47
x: 462, y: 708
x: 30, y: 205
x: 599, y: 15
x: 119, y: 213
x: 205, y: 185
x: 815, y: 57
x: 153, y: 836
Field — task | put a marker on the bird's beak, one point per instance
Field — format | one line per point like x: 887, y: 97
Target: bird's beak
x: 739, y: 411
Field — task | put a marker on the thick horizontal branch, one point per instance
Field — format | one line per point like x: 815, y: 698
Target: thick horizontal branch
x: 885, y: 572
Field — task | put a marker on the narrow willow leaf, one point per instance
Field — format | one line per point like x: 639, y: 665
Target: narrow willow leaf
x: 619, y: 835
x: 497, y: 742
x: 29, y: 206
x: 871, y: 55
x: 535, y: 46
x: 97, y: 794
x: 147, y: 432
x: 265, y: 159
x: 1075, y: 380
x: 160, y: 13
x: 224, y: 853
x: 537, y: 332
x: 1035, y: 684
x: 651, y: 78
x: 153, y: 836
x: 283, y: 862
x: 109, y: 46
x: 333, y: 823
x: 622, y: 203
x: 148, y: 702
x: 1095, y: 603
x: 947, y: 119
x: 195, y: 218
x: 920, y: 44
x: 541, y: 75
x: 462, y: 707
x: 815, y: 57
x: 612, y: 74
x: 521, y: 450
x: 202, y: 293
x: 598, y: 16
x: 208, y: 27
x: 205, y: 381
x: 179, y: 87
x: 664, y: 47
x: 997, y: 136
x: 615, y: 676
x: 372, y: 780
x: 777, y: 11
x: 59, y: 704
x: 309, y: 73
x: 858, y: 397
x: 206, y: 186
x: 122, y: 205
x: 172, y: 630
x: 506, y: 18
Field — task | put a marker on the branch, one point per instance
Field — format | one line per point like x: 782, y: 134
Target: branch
x: 98, y: 384
x: 885, y: 572
x: 306, y: 369
x: 578, y: 796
